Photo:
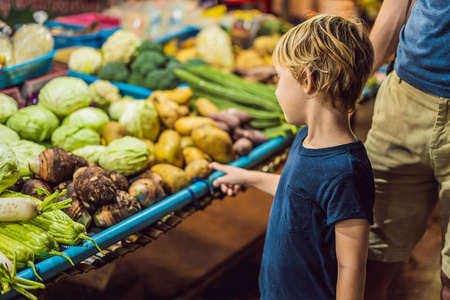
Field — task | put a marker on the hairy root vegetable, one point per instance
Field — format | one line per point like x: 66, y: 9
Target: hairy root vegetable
x: 23, y: 209
x: 147, y: 192
x: 56, y: 165
x: 30, y: 186
x: 18, y: 186
x: 93, y: 185
x: 76, y: 211
x: 123, y: 207
x: 119, y: 180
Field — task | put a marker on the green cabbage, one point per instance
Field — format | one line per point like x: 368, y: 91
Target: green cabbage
x: 34, y: 123
x: 103, y: 93
x: 64, y: 95
x: 8, y: 106
x: 9, y: 167
x: 116, y: 109
x: 90, y: 153
x: 85, y: 60
x: 70, y: 137
x: 25, y: 152
x: 7, y: 135
x: 127, y: 155
x: 141, y: 120
x: 91, y: 117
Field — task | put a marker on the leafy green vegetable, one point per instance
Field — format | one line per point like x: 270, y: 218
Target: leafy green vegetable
x: 90, y: 153
x: 25, y: 152
x: 141, y: 120
x: 7, y: 135
x: 9, y: 167
x: 114, y: 71
x: 8, y: 106
x: 118, y: 108
x: 127, y: 155
x: 103, y: 93
x: 64, y: 95
x: 35, y: 123
x: 90, y: 117
x: 70, y: 137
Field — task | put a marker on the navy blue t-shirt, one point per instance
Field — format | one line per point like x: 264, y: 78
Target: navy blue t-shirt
x: 423, y: 56
x: 317, y: 188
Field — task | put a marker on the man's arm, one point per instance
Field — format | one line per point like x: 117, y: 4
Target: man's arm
x: 352, y: 240
x: 386, y: 30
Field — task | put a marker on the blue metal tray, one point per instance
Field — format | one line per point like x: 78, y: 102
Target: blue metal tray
x: 55, y: 265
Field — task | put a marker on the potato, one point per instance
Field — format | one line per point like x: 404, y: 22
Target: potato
x: 193, y: 153
x: 215, y: 142
x: 198, y: 169
x: 175, y: 179
x: 168, y: 148
x: 112, y: 131
x: 205, y: 107
x: 186, y: 141
x: 152, y: 157
x: 167, y: 109
x: 185, y: 125
x: 180, y: 95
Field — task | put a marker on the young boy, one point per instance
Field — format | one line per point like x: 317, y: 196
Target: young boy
x: 317, y: 237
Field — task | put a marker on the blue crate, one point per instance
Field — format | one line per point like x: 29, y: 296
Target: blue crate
x: 14, y: 75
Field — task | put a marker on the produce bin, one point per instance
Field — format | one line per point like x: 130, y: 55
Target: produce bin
x: 53, y: 266
x: 17, y: 74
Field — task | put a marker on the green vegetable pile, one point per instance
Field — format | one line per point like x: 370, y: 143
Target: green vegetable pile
x: 151, y: 69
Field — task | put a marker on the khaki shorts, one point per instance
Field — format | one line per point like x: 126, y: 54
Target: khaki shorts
x: 409, y: 148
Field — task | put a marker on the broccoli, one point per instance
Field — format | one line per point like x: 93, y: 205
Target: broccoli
x: 136, y: 79
x: 161, y: 80
x: 194, y: 62
x: 173, y: 63
x: 114, y: 71
x: 147, y: 62
x: 150, y: 46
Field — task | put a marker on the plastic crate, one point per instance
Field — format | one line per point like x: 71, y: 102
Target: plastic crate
x: 14, y: 75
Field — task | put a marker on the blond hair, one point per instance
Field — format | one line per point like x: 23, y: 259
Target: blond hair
x: 338, y: 53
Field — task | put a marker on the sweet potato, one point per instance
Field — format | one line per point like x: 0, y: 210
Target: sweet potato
x: 94, y: 186
x: 243, y: 116
x: 30, y: 185
x: 147, y: 192
x: 243, y: 146
x: 56, y: 165
x: 224, y: 126
x: 255, y: 136
x: 223, y: 116
x: 175, y: 179
x: 198, y: 169
x: 122, y: 207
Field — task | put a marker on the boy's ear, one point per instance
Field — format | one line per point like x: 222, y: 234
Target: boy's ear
x: 310, y: 82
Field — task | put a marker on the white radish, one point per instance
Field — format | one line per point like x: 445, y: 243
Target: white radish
x: 6, y: 262
x: 23, y: 208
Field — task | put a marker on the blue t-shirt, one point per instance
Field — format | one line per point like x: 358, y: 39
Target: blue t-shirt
x: 317, y: 188
x: 423, y: 55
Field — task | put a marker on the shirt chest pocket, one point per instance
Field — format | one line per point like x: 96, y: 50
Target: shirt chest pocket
x: 297, y: 211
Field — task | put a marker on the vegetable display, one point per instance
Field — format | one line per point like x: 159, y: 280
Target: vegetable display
x: 88, y: 117
x: 85, y: 60
x: 25, y: 152
x: 8, y: 106
x: 7, y: 135
x: 9, y: 167
x: 70, y: 137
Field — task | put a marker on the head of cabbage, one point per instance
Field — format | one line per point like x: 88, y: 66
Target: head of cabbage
x: 25, y: 152
x: 116, y: 109
x: 127, y: 155
x: 85, y: 60
x: 104, y: 93
x: 8, y: 106
x: 7, y: 135
x: 91, y: 117
x: 9, y: 167
x: 70, y: 137
x: 141, y: 120
x: 90, y: 153
x: 35, y: 123
x: 64, y: 95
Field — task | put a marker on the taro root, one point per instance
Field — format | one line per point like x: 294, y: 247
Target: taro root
x: 147, y: 192
x: 122, y: 207
x: 56, y: 165
x: 119, y: 180
x: 94, y: 186
x: 76, y: 211
x: 18, y: 186
x: 148, y: 174
x: 30, y: 185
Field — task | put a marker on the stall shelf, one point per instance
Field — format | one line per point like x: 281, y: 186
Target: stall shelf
x: 55, y: 265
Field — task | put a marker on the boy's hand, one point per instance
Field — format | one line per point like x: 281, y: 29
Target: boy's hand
x: 233, y: 179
